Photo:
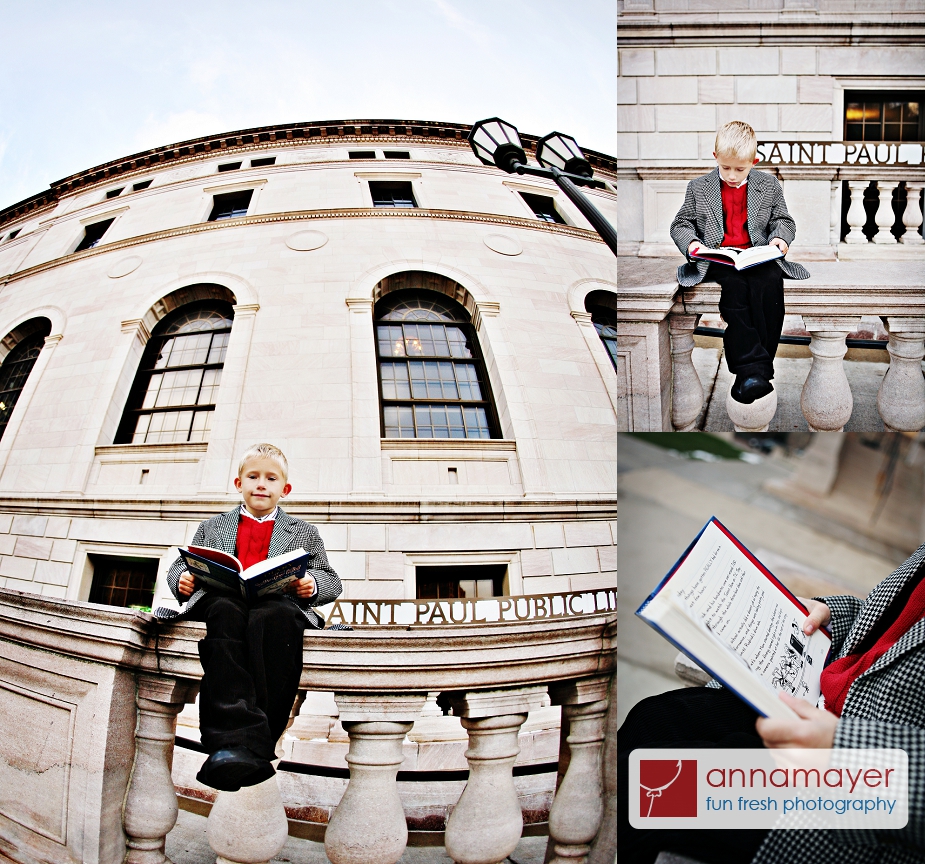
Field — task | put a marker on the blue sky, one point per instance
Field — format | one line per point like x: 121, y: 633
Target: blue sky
x: 83, y: 83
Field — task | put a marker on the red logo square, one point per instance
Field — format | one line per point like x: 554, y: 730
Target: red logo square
x: 668, y: 787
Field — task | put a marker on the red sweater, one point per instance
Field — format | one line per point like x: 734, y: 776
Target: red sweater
x: 735, y: 216
x: 253, y: 544
x: 839, y: 675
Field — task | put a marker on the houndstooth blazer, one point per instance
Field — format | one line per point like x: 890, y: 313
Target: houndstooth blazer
x: 885, y: 707
x: 701, y: 218
x: 221, y: 532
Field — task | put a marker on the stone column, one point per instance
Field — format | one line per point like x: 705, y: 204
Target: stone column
x: 912, y: 215
x: 885, y: 216
x: 487, y: 822
x: 368, y: 825
x: 150, y: 809
x: 857, y: 215
x: 835, y: 214
x: 219, y: 458
x: 754, y: 417
x: 365, y: 449
x: 826, y: 400
x: 686, y: 387
x: 901, y: 398
x: 578, y: 808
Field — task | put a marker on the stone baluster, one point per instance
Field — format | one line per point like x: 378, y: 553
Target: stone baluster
x: 912, y: 215
x: 901, y: 398
x: 835, y: 213
x: 857, y: 215
x: 826, y: 398
x: 486, y: 824
x: 686, y: 388
x: 578, y: 808
x: 250, y: 826
x: 754, y: 417
x: 368, y: 826
x: 885, y: 216
x: 150, y: 809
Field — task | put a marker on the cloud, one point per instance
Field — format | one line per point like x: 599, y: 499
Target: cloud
x: 159, y: 131
x: 478, y: 33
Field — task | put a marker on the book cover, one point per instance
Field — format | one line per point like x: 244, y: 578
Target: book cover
x: 225, y: 572
x: 722, y: 608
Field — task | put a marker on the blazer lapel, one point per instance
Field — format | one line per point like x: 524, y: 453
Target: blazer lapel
x: 228, y: 530
x: 913, y: 637
x: 715, y: 199
x: 755, y: 193
x: 282, y: 534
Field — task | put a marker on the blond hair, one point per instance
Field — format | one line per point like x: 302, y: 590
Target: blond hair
x: 736, y: 139
x: 265, y: 451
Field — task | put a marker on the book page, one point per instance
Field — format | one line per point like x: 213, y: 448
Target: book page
x: 727, y: 594
x: 758, y: 255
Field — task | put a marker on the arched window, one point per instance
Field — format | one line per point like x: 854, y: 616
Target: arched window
x: 604, y: 319
x: 173, y: 396
x: 432, y: 381
x: 29, y: 339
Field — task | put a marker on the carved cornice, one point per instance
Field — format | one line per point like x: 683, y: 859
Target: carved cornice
x: 268, y: 138
x: 308, y: 215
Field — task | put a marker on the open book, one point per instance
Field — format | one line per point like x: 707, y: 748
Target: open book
x: 220, y: 570
x: 722, y: 608
x: 741, y: 259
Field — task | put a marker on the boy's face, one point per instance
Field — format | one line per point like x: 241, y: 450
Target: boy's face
x: 261, y: 484
x: 732, y: 170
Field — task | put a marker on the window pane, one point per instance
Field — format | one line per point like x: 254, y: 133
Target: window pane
x: 910, y: 132
x: 395, y: 381
x: 179, y: 388
x: 892, y: 112
x: 891, y: 132
x: 468, y: 380
x: 202, y: 423
x: 219, y: 347
x: 169, y: 427
x: 854, y: 132
x: 190, y: 350
x: 476, y: 423
x: 141, y: 429
x: 871, y: 112
x: 413, y: 345
x: 459, y: 347
x: 154, y: 385
x: 854, y: 112
x: 211, y: 378
x: 399, y: 422
x: 391, y: 341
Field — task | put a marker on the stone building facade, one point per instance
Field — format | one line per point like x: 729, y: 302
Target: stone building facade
x: 280, y: 244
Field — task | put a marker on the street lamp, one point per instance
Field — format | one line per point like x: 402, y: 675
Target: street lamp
x: 496, y: 142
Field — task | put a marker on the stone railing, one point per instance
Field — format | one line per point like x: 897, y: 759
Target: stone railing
x: 660, y: 389
x: 90, y: 697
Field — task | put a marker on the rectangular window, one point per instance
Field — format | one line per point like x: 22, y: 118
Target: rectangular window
x: 144, y: 184
x: 123, y: 581
x: 362, y: 154
x: 544, y: 207
x: 884, y: 115
x: 397, y: 154
x: 458, y: 581
x: 13, y: 234
x: 231, y: 206
x: 114, y: 193
x: 266, y: 160
x: 93, y: 234
x: 392, y: 194
x: 229, y: 166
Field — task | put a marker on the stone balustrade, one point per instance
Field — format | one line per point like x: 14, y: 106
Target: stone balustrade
x: 656, y: 322
x: 89, y: 697
x: 886, y: 181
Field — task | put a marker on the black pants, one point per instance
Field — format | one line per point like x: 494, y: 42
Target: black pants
x: 752, y: 305
x: 692, y: 717
x: 251, y: 660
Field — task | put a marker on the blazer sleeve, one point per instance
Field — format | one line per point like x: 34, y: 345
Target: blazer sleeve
x: 845, y: 609
x: 684, y: 227
x: 327, y: 582
x: 780, y: 223
x: 178, y: 568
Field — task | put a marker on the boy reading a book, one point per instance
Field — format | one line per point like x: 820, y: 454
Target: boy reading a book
x: 735, y: 206
x: 252, y: 652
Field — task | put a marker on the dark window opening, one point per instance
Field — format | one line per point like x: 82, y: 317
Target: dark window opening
x: 362, y: 154
x: 229, y: 166
x: 114, y: 193
x: 93, y: 234
x: 458, y: 581
x: 173, y: 396
x: 544, y: 207
x: 231, y: 206
x: 14, y: 372
x: 397, y: 154
x: 432, y: 380
x: 13, y: 234
x: 266, y: 160
x: 127, y: 582
x: 394, y: 194
x: 890, y: 115
x: 604, y: 320
x: 144, y: 184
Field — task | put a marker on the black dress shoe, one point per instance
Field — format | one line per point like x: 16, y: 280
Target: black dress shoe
x: 749, y: 388
x: 228, y: 770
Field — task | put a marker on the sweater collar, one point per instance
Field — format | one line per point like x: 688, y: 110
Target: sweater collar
x: 270, y: 517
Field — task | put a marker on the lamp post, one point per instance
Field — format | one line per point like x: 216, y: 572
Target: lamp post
x: 496, y: 142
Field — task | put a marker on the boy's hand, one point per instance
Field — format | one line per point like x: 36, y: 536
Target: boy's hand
x: 187, y: 584
x: 779, y: 244
x: 693, y: 247
x: 813, y: 728
x: 303, y: 587
x: 819, y: 615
